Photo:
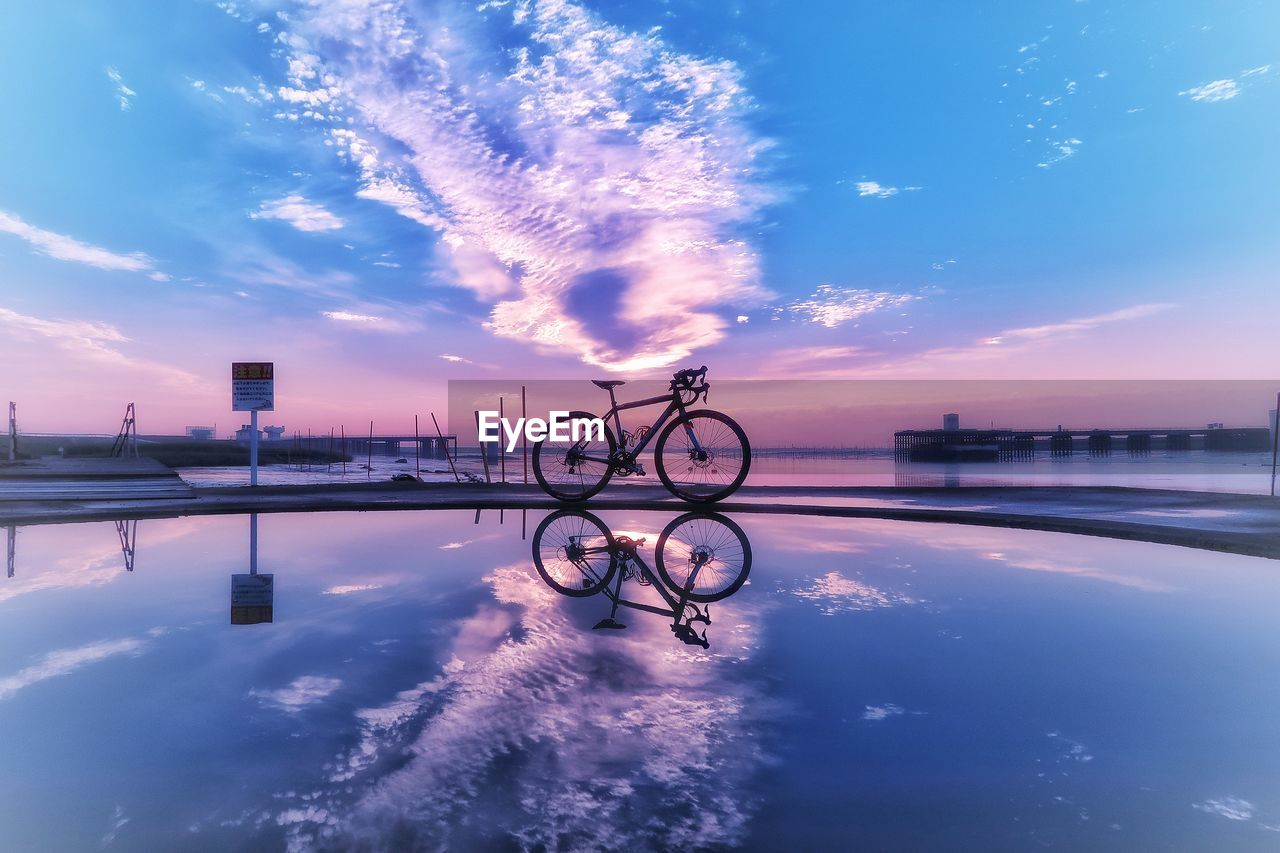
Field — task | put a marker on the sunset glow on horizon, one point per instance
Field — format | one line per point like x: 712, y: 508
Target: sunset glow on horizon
x: 383, y: 197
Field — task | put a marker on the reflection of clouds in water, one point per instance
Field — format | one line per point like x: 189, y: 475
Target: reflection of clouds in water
x: 834, y: 593
x: 118, y: 822
x: 66, y: 661
x: 1072, y: 750
x: 348, y: 589
x: 882, y: 712
x: 1035, y: 561
x: 541, y: 731
x: 303, y: 691
x: 67, y: 556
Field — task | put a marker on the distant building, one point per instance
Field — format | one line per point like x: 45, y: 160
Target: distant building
x: 951, y: 422
x: 273, y: 433
x: 1214, y: 425
x: 244, y: 435
x: 201, y: 433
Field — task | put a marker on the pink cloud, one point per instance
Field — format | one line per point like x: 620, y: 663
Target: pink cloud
x: 592, y: 187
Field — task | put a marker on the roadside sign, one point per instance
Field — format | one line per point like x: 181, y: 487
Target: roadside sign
x: 252, y: 599
x: 253, y: 386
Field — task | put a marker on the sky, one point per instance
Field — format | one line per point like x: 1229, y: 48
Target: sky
x: 383, y: 196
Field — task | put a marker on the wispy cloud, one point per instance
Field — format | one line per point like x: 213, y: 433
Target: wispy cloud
x: 88, y: 340
x: 299, y: 212
x: 1232, y: 808
x: 1218, y: 90
x: 1226, y: 88
x: 371, y: 322
x: 349, y: 317
x: 66, y: 248
x: 1059, y: 150
x: 875, y: 189
x: 1071, y: 328
x: 595, y: 188
x: 66, y: 661
x: 256, y: 267
x: 833, y: 306
x: 1002, y: 346
x: 123, y: 92
x: 455, y: 359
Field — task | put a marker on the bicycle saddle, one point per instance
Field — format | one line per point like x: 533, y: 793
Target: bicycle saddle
x: 607, y: 383
x: 608, y: 623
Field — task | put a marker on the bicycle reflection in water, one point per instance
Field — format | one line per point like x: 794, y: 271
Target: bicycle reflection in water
x: 700, y: 557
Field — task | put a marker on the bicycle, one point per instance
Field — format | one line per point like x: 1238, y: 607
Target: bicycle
x: 701, y: 456
x: 700, y: 557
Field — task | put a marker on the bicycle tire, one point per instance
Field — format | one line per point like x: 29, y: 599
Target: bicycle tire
x: 697, y: 478
x: 556, y: 569
x: 556, y: 481
x: 729, y: 546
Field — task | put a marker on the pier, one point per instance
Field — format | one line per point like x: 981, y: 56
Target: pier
x: 360, y: 445
x: 992, y: 445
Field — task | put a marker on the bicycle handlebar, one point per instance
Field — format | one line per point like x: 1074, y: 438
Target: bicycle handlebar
x: 686, y: 378
x: 693, y: 381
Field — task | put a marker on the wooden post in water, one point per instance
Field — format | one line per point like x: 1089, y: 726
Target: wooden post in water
x: 1275, y: 444
x: 445, y: 443
x: 329, y: 454
x: 417, y: 450
x: 368, y: 461
x: 343, y: 428
x: 484, y: 452
x: 502, y: 447
x: 525, y: 452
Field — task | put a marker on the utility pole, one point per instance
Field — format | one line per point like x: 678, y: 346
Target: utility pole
x: 13, y: 431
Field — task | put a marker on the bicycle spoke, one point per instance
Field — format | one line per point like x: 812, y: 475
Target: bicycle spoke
x: 706, y: 557
x: 704, y: 457
x: 573, y: 553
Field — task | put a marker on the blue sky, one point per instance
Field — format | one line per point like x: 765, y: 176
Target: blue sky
x: 383, y: 196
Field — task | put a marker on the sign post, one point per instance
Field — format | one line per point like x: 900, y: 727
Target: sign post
x: 252, y: 595
x: 253, y: 389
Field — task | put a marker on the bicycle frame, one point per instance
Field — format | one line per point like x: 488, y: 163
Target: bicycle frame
x: 675, y: 403
x: 624, y: 554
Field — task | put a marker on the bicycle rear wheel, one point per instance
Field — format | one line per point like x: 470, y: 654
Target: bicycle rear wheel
x: 708, y: 469
x: 704, y: 554
x: 562, y: 471
x: 573, y: 552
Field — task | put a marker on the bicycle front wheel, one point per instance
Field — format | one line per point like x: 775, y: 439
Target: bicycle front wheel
x: 573, y: 552
x: 574, y: 470
x: 703, y: 457
x: 705, y: 555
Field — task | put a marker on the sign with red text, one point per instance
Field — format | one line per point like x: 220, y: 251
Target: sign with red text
x: 253, y: 386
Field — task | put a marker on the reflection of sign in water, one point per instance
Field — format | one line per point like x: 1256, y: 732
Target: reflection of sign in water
x: 252, y: 597
x: 253, y: 386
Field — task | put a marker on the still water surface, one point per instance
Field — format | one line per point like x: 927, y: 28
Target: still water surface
x: 1242, y: 473
x: 872, y: 685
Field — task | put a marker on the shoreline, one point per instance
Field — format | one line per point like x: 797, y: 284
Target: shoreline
x: 1228, y: 523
